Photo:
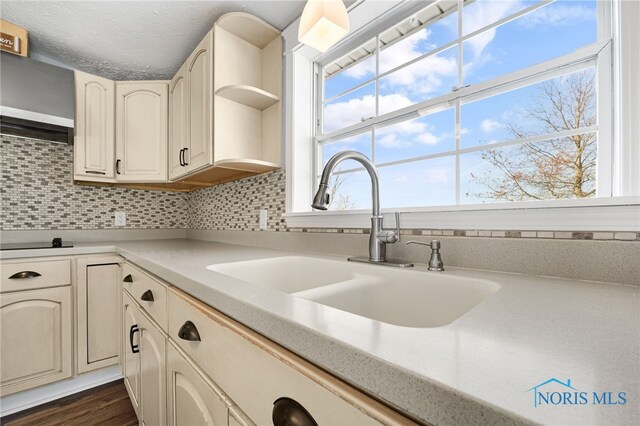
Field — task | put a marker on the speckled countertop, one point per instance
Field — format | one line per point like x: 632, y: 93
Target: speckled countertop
x: 476, y: 370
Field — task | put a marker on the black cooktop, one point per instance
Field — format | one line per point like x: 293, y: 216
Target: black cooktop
x: 56, y: 243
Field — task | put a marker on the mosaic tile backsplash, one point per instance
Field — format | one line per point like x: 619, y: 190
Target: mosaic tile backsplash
x: 37, y: 192
x: 235, y: 206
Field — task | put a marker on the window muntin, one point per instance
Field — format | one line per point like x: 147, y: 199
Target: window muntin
x: 460, y: 142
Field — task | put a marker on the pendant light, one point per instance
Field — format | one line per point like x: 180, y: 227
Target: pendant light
x: 323, y: 23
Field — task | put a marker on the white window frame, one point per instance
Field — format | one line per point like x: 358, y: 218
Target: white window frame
x: 621, y: 211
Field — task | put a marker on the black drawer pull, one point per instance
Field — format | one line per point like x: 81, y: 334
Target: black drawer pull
x: 147, y: 296
x: 188, y: 331
x: 24, y: 274
x: 287, y: 412
x: 128, y: 279
x: 132, y: 331
x: 94, y: 172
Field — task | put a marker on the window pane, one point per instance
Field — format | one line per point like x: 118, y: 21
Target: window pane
x: 351, y: 70
x: 350, y: 191
x: 360, y: 143
x: 427, y: 39
x: 558, y: 169
x: 420, y: 183
x: 350, y: 77
x: 350, y: 109
x: 551, y: 31
x: 423, y: 80
x: 563, y: 103
x: 480, y: 13
x: 414, y: 138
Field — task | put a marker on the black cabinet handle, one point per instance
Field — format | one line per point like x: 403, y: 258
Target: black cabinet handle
x: 94, y: 172
x: 132, y: 331
x: 24, y: 274
x: 287, y: 412
x: 147, y: 296
x: 118, y: 166
x: 181, y: 157
x: 128, y: 279
x: 188, y: 331
x: 184, y: 156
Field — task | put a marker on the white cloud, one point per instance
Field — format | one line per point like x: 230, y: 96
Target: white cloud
x: 559, y: 14
x: 401, y: 179
x: 488, y: 125
x: 483, y: 13
x: 437, y: 175
x: 424, y: 77
x: 427, y: 138
x: 390, y: 141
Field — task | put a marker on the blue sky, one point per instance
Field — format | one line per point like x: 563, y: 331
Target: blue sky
x: 549, y: 32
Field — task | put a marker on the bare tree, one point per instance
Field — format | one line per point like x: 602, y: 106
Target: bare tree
x: 561, y: 168
x: 342, y: 201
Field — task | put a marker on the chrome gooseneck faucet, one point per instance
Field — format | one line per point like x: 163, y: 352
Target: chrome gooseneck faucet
x: 378, y: 237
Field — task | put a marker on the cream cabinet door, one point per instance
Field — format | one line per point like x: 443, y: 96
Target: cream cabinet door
x: 199, y: 68
x: 35, y: 338
x: 98, y: 302
x: 141, y: 131
x: 94, y: 142
x: 190, y: 399
x: 178, y: 109
x: 153, y: 383
x: 131, y: 348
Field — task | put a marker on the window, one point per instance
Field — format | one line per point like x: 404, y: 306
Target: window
x: 471, y: 102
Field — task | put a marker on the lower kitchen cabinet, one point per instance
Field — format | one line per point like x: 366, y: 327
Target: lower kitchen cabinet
x: 144, y: 367
x: 152, y: 373
x: 35, y: 337
x: 98, y: 302
x: 191, y: 400
x: 131, y: 343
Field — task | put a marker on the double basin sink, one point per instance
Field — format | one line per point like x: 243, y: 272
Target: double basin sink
x: 402, y: 297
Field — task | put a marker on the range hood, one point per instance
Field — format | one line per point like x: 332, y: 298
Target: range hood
x: 37, y: 100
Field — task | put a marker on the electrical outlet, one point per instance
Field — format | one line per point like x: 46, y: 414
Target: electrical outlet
x: 263, y: 219
x: 121, y: 219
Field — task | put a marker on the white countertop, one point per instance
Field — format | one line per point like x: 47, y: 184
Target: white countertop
x: 476, y: 370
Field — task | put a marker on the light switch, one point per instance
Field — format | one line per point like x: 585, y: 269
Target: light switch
x: 263, y: 219
x: 121, y: 219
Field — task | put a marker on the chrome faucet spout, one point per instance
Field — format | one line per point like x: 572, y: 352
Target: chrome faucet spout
x: 378, y: 237
x: 321, y: 199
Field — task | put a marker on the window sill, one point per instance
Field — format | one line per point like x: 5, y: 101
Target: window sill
x: 604, y: 214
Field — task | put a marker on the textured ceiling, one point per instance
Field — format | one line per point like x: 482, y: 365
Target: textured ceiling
x: 130, y: 40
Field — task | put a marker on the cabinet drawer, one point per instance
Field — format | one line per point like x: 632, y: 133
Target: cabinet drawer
x: 35, y: 274
x: 143, y: 288
x: 256, y: 372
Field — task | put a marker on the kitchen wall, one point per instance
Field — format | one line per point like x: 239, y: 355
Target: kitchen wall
x: 37, y: 192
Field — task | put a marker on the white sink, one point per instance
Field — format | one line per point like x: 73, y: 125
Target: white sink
x: 288, y: 274
x: 404, y: 297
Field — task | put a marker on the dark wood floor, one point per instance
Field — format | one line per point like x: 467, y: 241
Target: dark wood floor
x: 105, y: 405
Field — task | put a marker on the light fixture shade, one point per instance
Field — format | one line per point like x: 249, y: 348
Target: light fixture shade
x: 323, y: 23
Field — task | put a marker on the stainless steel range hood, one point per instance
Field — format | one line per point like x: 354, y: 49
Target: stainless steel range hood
x: 36, y: 99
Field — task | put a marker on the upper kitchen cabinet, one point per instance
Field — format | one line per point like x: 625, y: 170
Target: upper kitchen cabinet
x: 190, y: 112
x: 247, y: 87
x: 141, y: 131
x: 94, y: 128
x: 178, y: 137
